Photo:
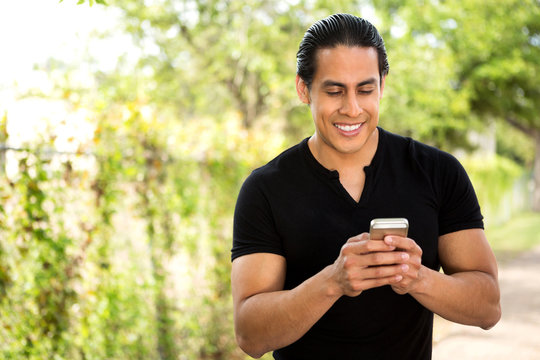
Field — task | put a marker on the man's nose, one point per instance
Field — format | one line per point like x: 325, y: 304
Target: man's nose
x: 351, y: 107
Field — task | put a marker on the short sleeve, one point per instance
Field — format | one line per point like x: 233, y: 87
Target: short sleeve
x: 459, y: 208
x: 254, y: 228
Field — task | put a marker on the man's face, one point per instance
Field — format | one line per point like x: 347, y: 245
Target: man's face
x: 344, y: 97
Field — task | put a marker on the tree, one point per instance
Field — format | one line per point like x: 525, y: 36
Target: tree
x: 498, y: 63
x: 216, y: 55
x: 211, y: 57
x: 495, y: 47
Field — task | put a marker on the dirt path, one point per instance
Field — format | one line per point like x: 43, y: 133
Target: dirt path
x: 516, y: 336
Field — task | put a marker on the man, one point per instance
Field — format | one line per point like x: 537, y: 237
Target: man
x: 307, y: 281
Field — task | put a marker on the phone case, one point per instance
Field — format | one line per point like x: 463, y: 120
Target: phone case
x: 379, y: 228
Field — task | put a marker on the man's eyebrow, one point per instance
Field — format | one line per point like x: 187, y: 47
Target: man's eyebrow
x: 330, y: 83
x: 369, y: 81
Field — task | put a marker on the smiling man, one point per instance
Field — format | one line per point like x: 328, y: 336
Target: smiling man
x: 307, y: 281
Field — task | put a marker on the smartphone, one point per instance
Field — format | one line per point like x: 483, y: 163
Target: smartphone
x: 379, y: 228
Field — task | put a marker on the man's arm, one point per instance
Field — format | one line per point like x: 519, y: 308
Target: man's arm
x: 268, y: 318
x: 468, y: 291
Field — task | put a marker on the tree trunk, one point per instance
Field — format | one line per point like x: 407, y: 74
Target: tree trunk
x: 536, y: 174
x: 535, y: 134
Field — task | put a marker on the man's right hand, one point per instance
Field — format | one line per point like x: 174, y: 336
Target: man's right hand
x: 364, y: 264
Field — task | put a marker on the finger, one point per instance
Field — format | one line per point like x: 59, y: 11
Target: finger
x: 376, y: 272
x: 366, y: 247
x: 359, y: 237
x: 399, y: 242
x: 361, y: 285
x: 385, y: 258
x: 399, y: 290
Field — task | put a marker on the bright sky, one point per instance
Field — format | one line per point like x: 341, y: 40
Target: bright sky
x: 32, y: 31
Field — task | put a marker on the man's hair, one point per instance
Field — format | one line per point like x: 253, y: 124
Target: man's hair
x: 335, y: 30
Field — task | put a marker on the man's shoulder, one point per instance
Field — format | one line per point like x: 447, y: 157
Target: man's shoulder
x: 420, y: 151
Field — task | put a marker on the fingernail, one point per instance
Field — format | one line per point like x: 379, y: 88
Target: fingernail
x: 404, y: 256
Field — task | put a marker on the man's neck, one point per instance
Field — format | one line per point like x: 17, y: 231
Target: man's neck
x: 332, y: 159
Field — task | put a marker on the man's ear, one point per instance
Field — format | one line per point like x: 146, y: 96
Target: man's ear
x: 302, y: 90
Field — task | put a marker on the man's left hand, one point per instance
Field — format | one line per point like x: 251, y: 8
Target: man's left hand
x: 413, y: 276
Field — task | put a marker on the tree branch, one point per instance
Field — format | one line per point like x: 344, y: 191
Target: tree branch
x: 529, y: 131
x: 189, y: 38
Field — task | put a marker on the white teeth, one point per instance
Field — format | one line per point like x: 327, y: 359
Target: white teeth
x: 348, y: 127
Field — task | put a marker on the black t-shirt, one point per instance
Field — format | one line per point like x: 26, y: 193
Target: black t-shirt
x: 296, y: 208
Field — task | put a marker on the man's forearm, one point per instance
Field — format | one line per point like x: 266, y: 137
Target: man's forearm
x: 272, y: 320
x: 470, y: 298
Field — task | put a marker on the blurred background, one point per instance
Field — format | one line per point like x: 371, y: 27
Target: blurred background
x: 127, y: 128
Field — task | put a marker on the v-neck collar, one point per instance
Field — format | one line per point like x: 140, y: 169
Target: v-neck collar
x: 332, y: 176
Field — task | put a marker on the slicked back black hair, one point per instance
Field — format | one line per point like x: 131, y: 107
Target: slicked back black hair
x: 338, y: 29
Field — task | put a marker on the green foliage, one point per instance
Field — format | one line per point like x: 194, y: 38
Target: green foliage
x: 512, y: 144
x: 90, y: 2
x: 520, y: 234
x: 501, y: 67
x: 129, y: 257
x: 498, y: 186
x: 38, y: 296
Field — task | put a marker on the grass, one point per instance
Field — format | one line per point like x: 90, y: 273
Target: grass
x: 519, y: 234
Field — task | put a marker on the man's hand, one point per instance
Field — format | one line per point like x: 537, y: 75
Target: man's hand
x: 364, y: 264
x: 412, y: 276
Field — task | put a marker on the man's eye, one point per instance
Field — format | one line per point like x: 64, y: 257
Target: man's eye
x: 365, y: 91
x: 333, y: 93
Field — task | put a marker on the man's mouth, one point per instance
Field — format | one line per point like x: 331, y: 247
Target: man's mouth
x: 348, y: 128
